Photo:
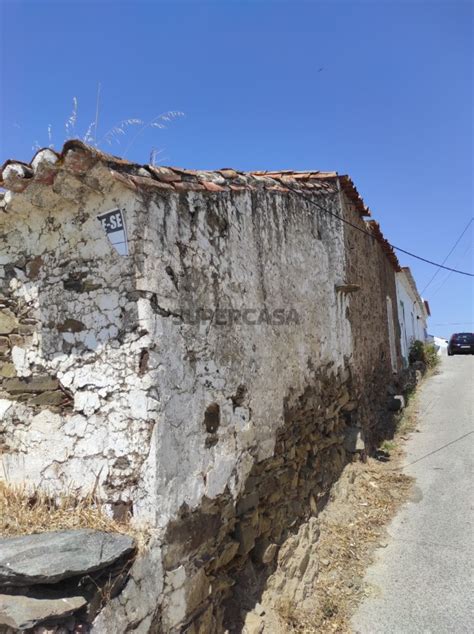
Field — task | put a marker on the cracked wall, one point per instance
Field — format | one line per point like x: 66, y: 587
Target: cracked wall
x: 77, y: 409
x: 233, y: 252
x: 223, y: 434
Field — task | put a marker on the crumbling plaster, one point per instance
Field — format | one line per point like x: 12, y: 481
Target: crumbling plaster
x: 248, y: 250
x: 89, y: 337
x: 187, y: 251
x: 222, y: 436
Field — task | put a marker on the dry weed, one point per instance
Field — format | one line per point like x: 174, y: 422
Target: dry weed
x: 23, y: 512
x: 353, y: 526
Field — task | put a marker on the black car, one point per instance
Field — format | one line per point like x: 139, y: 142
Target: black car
x: 461, y: 343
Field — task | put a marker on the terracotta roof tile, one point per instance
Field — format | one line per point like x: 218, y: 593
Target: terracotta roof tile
x: 125, y: 180
x: 213, y: 187
x: 386, y: 246
x: 164, y: 174
x: 187, y: 186
x: 79, y: 158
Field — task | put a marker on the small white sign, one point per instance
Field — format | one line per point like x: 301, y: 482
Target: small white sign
x: 113, y: 224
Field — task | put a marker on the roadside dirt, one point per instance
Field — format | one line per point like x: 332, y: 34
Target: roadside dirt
x: 318, y: 581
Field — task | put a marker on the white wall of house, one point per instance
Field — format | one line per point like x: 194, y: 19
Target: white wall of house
x: 411, y: 313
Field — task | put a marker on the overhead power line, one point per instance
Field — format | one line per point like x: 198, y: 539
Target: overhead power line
x: 448, y: 275
x: 454, y: 323
x: 452, y: 249
x: 368, y: 233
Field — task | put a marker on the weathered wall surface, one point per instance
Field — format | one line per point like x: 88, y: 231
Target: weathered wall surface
x: 76, y: 411
x: 412, y: 316
x: 239, y: 251
x: 277, y: 389
x: 369, y: 267
x: 226, y: 431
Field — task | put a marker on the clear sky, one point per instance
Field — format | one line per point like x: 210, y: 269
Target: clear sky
x: 380, y: 90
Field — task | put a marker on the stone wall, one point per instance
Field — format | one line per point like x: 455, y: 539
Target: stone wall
x: 231, y: 253
x: 17, y: 333
x: 371, y: 267
x: 75, y: 410
x: 211, y: 380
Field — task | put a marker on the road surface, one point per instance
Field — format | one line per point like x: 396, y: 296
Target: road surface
x: 423, y: 580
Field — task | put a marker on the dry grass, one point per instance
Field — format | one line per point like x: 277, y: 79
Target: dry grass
x: 409, y: 418
x: 23, y: 512
x: 353, y: 526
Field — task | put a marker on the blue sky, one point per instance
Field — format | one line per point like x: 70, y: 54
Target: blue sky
x: 379, y: 90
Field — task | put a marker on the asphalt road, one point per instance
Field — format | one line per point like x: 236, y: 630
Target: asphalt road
x: 423, y: 580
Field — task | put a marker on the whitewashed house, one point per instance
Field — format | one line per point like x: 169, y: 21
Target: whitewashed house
x: 413, y: 312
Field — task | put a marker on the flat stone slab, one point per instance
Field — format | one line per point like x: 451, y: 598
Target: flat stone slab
x: 21, y: 612
x: 56, y: 555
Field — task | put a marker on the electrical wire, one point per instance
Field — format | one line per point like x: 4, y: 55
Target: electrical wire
x: 454, y: 323
x: 354, y: 226
x: 452, y: 249
x: 448, y: 275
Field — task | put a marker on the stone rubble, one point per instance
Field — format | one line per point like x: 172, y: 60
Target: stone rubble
x: 47, y: 558
x: 20, y: 613
x: 50, y: 576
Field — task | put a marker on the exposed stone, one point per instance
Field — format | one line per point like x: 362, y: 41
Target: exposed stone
x: 228, y: 553
x: 253, y: 468
x: 139, y: 600
x: 254, y: 624
x: 247, y: 503
x: 350, y: 406
x: 16, y: 340
x: 354, y: 439
x: 50, y: 557
x: 204, y: 623
x: 187, y: 534
x: 26, y: 329
x: 246, y: 534
x: 8, y: 322
x: 7, y: 370
x: 4, y: 345
x: 269, y: 553
x: 71, y: 325
x: 22, y: 612
x: 48, y: 399
x: 33, y: 267
x: 37, y: 383
x: 197, y: 590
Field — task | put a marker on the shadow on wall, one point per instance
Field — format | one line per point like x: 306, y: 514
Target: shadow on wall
x: 229, y: 549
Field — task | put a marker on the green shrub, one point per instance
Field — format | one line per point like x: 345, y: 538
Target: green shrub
x: 431, y: 355
x: 424, y: 352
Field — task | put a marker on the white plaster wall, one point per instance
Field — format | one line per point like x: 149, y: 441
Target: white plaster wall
x: 105, y: 441
x: 271, y: 257
x: 140, y: 435
x: 411, y: 328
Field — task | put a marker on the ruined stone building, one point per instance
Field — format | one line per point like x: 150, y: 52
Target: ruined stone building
x: 197, y: 346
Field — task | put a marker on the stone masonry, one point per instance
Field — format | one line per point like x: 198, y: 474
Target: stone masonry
x: 204, y: 371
